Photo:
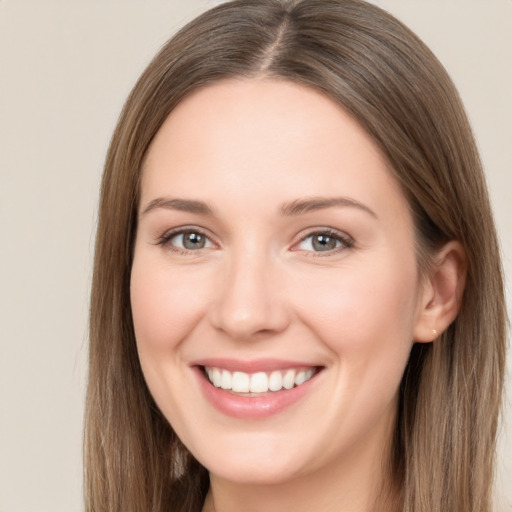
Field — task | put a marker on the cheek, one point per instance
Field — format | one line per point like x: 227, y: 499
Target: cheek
x: 364, y: 312
x: 165, y: 305
x: 365, y: 318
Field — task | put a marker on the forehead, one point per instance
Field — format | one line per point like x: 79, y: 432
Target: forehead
x: 253, y: 111
x: 264, y: 137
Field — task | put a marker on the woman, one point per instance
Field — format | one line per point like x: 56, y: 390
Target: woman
x: 297, y: 299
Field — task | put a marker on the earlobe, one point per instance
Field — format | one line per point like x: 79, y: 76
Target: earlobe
x: 442, y: 293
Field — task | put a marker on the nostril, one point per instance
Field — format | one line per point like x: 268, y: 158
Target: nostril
x: 246, y: 322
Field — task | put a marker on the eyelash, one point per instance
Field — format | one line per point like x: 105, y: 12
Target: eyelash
x: 345, y: 241
x: 165, y: 239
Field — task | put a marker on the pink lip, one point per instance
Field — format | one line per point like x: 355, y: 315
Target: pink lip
x: 258, y: 365
x: 256, y: 407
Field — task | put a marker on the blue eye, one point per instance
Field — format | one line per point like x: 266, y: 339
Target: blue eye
x: 324, y: 241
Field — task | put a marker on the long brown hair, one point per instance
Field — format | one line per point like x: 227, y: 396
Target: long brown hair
x: 384, y: 76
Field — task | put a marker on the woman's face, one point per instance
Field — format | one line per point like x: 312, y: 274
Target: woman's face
x: 274, y: 256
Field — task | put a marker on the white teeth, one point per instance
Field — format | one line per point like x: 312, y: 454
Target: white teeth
x: 289, y: 379
x: 300, y: 378
x: 303, y: 376
x: 216, y: 377
x: 240, y: 382
x: 275, y: 381
x: 225, y: 382
x: 260, y: 382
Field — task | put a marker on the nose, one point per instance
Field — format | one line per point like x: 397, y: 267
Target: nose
x: 250, y: 303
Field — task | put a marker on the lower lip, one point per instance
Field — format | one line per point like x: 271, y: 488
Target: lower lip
x: 255, y: 407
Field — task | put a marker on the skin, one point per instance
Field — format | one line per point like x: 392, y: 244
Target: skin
x: 258, y: 289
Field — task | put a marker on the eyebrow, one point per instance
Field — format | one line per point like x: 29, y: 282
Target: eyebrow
x: 301, y: 206
x: 293, y: 208
x: 184, y: 205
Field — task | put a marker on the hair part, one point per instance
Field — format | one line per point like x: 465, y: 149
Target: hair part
x: 385, y: 77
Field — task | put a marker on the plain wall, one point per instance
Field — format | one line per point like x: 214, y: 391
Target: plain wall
x: 65, y: 69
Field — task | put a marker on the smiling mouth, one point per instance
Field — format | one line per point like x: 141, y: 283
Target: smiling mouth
x: 255, y: 384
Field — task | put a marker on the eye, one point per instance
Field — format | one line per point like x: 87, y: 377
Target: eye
x: 190, y: 240
x: 186, y: 240
x: 324, y: 241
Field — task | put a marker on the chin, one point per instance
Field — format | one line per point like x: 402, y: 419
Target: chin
x: 256, y: 467
x: 253, y: 473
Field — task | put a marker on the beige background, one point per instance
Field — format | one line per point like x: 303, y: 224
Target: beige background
x: 65, y: 69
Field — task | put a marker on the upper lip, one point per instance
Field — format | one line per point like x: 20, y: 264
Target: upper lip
x: 252, y: 366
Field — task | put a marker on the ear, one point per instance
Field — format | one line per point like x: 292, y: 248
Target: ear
x: 442, y: 292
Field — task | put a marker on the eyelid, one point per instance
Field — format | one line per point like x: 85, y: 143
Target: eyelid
x: 164, y: 239
x: 346, y: 241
